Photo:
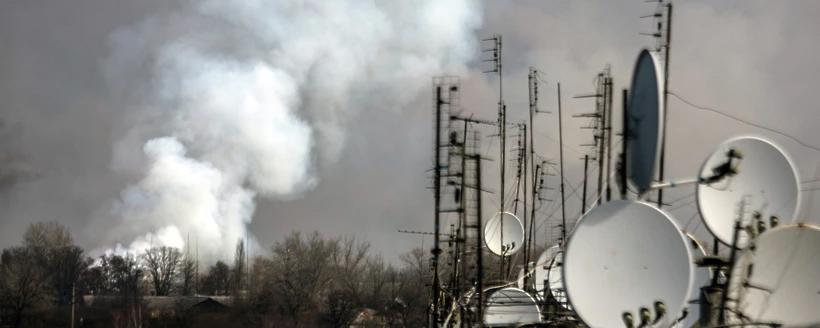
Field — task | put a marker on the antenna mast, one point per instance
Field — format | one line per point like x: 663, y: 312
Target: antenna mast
x: 665, y: 46
x: 561, y: 160
x: 502, y: 124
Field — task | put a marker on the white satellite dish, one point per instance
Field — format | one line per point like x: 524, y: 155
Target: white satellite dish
x: 645, y: 119
x: 511, y: 307
x: 779, y: 280
x: 542, y: 267
x: 624, y: 256
x: 522, y: 273
x: 506, y: 242
x: 520, y: 281
x: 766, y: 182
x: 702, y: 278
x: 556, y: 281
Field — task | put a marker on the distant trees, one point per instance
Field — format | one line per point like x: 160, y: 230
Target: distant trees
x: 238, y: 274
x: 218, y: 280
x: 161, y: 264
x: 23, y: 283
x: 52, y: 247
x: 304, y: 281
x: 188, y: 275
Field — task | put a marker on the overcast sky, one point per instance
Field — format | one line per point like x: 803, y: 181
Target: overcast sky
x: 60, y: 119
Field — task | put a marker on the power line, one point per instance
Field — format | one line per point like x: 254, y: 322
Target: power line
x: 773, y: 130
x: 810, y: 181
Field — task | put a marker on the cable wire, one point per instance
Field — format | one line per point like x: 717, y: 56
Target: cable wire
x: 759, y: 126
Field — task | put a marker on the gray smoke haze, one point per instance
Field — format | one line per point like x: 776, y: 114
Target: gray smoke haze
x: 124, y: 119
x: 223, y: 102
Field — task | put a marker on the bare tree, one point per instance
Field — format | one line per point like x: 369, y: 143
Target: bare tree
x: 302, y: 273
x: 47, y: 235
x: 161, y: 264
x: 23, y: 283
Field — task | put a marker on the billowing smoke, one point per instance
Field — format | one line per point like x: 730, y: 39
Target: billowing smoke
x: 230, y: 100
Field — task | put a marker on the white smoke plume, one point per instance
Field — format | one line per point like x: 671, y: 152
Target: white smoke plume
x: 240, y: 99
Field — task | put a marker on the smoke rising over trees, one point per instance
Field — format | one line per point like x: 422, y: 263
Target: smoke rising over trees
x: 307, y: 280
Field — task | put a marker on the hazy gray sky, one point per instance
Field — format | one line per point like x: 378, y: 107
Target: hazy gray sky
x: 63, y: 117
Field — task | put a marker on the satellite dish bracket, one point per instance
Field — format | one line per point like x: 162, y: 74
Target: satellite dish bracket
x: 720, y: 172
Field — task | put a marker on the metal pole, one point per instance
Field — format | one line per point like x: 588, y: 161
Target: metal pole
x: 665, y: 99
x: 480, y: 240
x: 73, y: 302
x: 625, y: 141
x: 584, y: 192
x: 561, y: 159
x: 437, y: 199
x: 608, y: 104
x: 599, y: 104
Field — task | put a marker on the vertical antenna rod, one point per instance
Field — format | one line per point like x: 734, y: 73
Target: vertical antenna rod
x: 608, y: 129
x: 480, y: 237
x: 502, y: 129
x: 437, y: 199
x: 561, y: 160
x: 668, y: 37
x: 584, y: 190
x: 624, y: 141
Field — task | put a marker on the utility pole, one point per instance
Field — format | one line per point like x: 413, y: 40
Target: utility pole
x: 73, y: 301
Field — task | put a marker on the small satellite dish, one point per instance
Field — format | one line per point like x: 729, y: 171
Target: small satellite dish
x: 765, y: 181
x: 542, y: 266
x: 625, y: 256
x: 506, y: 242
x: 779, y: 280
x: 511, y: 307
x: 645, y: 119
x: 702, y: 278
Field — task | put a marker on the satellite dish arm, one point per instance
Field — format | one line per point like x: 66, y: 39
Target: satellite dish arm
x: 726, y: 169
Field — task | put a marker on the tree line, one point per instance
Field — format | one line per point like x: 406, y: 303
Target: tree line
x: 306, y: 280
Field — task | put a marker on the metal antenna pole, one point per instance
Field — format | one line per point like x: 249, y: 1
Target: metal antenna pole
x: 584, y: 191
x: 502, y: 128
x: 667, y: 44
x: 608, y: 129
x: 601, y: 142
x: 437, y: 199
x: 480, y: 239
x: 561, y: 159
x: 533, y: 102
x: 624, y: 141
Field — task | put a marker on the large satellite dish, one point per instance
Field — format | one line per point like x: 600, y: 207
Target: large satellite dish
x: 542, y: 266
x: 511, y: 307
x: 645, y: 119
x: 624, y: 256
x: 507, y: 241
x: 766, y: 182
x: 779, y: 280
x: 702, y: 278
